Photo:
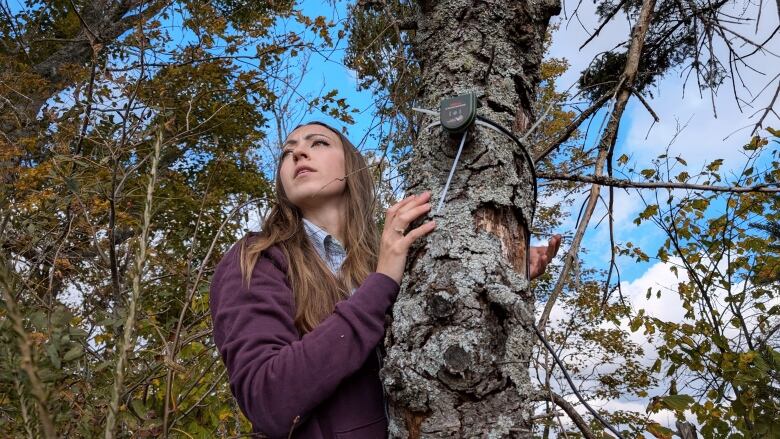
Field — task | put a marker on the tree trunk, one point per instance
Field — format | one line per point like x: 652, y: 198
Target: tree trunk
x: 460, y: 341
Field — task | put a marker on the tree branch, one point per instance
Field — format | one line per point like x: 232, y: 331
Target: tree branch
x: 614, y: 182
x: 767, y: 109
x: 606, y: 145
x: 646, y: 104
x: 564, y: 136
x: 558, y: 400
x: 604, y: 23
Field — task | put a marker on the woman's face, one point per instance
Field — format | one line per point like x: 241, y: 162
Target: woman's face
x: 319, y: 149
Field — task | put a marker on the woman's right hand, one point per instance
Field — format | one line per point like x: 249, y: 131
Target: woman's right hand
x: 394, y: 245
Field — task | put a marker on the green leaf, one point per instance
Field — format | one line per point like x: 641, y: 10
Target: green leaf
x: 714, y: 165
x: 139, y: 407
x: 677, y: 402
x: 647, y: 213
x: 54, y: 356
x: 659, y: 431
x: 647, y: 173
x: 700, y: 204
x: 73, y: 353
x: 636, y: 322
x: 755, y: 143
x: 61, y: 316
x: 78, y: 332
x: 38, y: 320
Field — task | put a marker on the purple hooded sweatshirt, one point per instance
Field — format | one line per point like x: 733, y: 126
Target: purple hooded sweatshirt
x: 322, y: 385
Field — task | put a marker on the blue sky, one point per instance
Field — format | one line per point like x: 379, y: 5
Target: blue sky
x: 700, y: 142
x: 704, y: 138
x: 688, y: 128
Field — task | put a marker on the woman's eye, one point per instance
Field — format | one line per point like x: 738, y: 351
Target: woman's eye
x: 316, y: 142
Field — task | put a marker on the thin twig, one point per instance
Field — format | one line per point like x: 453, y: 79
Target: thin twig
x: 558, y: 400
x: 129, y: 324
x: 8, y: 285
x: 613, y: 182
x: 607, y: 19
x: 767, y: 110
x: 607, y: 143
x: 646, y: 104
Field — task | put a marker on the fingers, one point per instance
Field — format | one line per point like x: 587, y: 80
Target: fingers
x: 552, y: 247
x: 395, y: 207
x: 395, y: 246
x: 411, y: 200
x: 411, y: 214
x: 424, y: 229
x: 540, y: 257
x: 408, y: 210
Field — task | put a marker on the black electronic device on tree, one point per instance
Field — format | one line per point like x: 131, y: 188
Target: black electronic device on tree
x: 458, y: 113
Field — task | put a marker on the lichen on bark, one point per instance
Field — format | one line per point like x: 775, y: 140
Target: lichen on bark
x: 460, y: 339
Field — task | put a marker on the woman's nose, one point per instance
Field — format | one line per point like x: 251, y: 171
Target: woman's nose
x: 297, y: 153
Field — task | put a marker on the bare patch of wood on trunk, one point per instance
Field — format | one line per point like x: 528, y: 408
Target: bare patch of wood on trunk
x: 502, y: 223
x: 414, y: 421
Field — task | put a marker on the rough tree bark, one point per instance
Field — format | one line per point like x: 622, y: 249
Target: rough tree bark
x: 460, y: 341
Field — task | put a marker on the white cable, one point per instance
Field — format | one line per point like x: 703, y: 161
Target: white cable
x: 432, y: 125
x: 430, y: 113
x: 426, y: 111
x: 452, y: 171
x: 457, y: 156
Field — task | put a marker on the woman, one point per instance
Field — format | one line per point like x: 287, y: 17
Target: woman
x: 299, y: 308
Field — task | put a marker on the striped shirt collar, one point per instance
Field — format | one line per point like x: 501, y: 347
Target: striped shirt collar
x: 327, y: 246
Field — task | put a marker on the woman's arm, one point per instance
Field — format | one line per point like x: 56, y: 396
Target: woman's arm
x: 274, y: 375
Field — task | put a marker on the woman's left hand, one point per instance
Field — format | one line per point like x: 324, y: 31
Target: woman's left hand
x: 541, y: 256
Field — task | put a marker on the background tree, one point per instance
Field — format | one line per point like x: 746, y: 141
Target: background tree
x: 131, y: 141
x: 724, y: 351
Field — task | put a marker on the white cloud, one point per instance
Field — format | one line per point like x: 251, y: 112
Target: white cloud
x: 703, y: 139
x: 668, y: 307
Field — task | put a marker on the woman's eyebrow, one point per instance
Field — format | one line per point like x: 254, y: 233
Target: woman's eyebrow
x: 307, y: 137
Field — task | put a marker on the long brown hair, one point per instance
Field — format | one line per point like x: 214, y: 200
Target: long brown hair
x: 315, y: 288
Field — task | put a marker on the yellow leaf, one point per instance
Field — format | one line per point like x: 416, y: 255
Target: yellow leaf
x: 659, y: 431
